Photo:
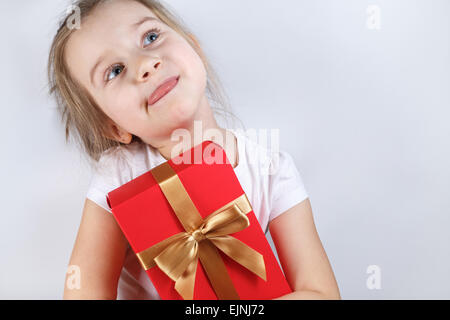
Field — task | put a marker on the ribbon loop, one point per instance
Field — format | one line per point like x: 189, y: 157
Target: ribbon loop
x: 226, y: 221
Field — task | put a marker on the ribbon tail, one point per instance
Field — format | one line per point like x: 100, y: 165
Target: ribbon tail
x: 216, y: 271
x: 176, y: 258
x: 241, y: 253
x: 186, y: 282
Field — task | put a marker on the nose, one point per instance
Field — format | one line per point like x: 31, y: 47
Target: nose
x: 146, y: 67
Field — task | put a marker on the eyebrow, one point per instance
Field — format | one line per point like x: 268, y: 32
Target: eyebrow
x: 100, y: 59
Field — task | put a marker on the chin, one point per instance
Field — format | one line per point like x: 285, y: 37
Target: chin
x: 182, y: 112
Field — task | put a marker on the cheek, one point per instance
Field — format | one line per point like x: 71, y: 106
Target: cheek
x: 189, y: 61
x: 124, y: 102
x: 197, y: 65
x: 201, y: 74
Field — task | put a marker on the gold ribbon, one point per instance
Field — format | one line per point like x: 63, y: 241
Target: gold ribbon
x: 177, y: 256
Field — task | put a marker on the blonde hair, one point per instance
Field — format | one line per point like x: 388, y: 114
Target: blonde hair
x: 81, y: 116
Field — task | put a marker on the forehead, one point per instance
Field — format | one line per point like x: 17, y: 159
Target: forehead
x: 117, y: 12
x: 110, y: 21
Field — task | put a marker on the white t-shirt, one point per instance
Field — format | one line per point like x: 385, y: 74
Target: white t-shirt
x: 270, y: 180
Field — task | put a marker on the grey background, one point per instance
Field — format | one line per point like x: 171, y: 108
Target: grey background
x: 365, y: 114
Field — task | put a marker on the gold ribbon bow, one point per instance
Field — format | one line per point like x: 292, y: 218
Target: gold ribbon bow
x: 177, y: 256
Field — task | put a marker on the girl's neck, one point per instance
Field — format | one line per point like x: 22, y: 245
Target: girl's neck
x: 205, y: 120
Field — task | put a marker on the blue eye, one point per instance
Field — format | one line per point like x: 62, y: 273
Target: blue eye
x: 114, y: 69
x: 152, y: 35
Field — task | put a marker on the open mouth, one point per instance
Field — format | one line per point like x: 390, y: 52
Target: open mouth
x: 163, y: 90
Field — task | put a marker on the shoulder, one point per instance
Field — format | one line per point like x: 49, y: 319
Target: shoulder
x: 121, y: 157
x: 118, y: 165
x: 270, y: 176
x: 262, y: 154
x: 252, y: 153
x: 122, y: 152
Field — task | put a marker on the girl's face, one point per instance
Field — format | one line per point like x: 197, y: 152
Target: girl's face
x: 121, y: 54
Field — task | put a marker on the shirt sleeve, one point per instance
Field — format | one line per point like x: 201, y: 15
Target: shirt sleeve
x: 98, y: 196
x: 105, y: 178
x: 285, y: 183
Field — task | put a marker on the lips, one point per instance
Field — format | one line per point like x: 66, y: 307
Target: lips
x: 163, y: 89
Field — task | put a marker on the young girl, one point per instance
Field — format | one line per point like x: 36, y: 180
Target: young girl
x: 124, y: 81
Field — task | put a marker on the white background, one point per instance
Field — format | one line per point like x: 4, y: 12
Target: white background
x: 364, y: 113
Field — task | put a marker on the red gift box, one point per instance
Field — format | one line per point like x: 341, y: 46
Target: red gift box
x: 147, y: 211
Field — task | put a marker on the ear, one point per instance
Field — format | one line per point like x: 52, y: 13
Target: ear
x: 117, y: 133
